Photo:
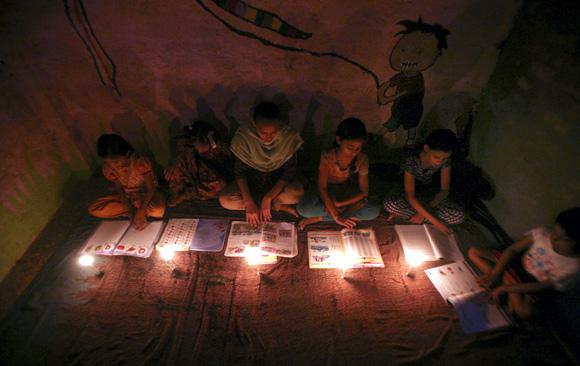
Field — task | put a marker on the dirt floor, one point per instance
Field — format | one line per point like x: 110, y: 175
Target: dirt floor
x: 208, y: 309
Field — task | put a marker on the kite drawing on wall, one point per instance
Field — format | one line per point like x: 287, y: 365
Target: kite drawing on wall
x: 261, y: 18
x: 416, y: 51
x: 264, y: 19
x: 104, y: 65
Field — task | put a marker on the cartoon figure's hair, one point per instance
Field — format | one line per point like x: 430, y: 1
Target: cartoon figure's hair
x: 570, y: 222
x: 351, y: 129
x: 436, y: 30
x: 111, y: 145
x: 442, y: 140
x: 266, y: 111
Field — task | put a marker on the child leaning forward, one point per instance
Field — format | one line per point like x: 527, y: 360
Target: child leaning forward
x: 137, y: 196
x: 550, y: 259
x: 265, y: 167
x: 343, y: 181
x: 424, y: 200
x: 202, y: 167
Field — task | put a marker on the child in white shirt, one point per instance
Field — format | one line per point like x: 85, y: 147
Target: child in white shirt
x: 550, y: 258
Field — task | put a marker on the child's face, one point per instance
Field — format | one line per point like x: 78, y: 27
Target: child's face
x: 201, y: 147
x: 118, y: 162
x: 267, y: 130
x: 435, y: 157
x: 562, y: 243
x: 349, y: 148
x: 415, y: 51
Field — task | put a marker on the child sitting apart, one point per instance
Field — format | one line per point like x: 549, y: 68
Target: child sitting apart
x: 137, y: 196
x: 550, y: 260
x: 343, y: 181
x: 265, y: 167
x: 202, y: 166
x: 424, y: 201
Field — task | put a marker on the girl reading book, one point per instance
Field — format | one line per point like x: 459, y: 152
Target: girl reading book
x: 265, y: 167
x: 343, y: 181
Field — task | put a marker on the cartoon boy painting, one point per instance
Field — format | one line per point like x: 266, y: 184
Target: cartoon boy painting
x: 415, y: 52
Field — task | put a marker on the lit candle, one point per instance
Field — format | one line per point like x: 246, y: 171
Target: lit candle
x: 345, y: 262
x: 413, y: 259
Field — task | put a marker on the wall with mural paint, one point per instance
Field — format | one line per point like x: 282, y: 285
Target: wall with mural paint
x: 75, y: 69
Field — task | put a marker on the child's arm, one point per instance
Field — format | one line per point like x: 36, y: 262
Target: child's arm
x: 328, y: 202
x: 140, y: 219
x: 523, y: 288
x: 363, y: 184
x: 421, y: 211
x: 269, y: 197
x: 288, y: 173
x: 121, y: 193
x: 512, y: 251
x: 252, y: 212
x: 382, y: 96
x: 444, y: 192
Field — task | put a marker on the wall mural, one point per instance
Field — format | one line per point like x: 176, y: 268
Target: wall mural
x: 104, y: 64
x: 416, y: 51
x: 270, y: 43
x: 261, y: 18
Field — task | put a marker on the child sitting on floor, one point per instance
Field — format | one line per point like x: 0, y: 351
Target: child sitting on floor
x: 137, y: 196
x: 202, y: 166
x: 343, y: 181
x: 550, y: 260
x: 423, y: 200
x: 265, y: 167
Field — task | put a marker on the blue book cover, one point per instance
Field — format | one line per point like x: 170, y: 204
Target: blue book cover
x: 210, y: 235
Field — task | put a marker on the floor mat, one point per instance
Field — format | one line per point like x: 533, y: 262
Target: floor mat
x: 208, y: 309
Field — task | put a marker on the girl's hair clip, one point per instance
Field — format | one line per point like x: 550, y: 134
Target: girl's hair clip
x: 212, y: 142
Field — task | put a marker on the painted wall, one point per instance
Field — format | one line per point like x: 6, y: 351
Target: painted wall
x: 74, y: 69
x: 527, y: 126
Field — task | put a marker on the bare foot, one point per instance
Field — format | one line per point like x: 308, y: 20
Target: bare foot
x: 308, y: 221
x: 287, y: 208
x: 176, y: 199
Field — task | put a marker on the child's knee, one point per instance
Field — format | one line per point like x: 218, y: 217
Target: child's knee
x: 156, y: 211
x: 230, y: 201
x: 296, y: 190
x: 474, y: 253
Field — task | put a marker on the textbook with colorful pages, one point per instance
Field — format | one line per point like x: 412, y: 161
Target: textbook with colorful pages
x: 204, y: 235
x: 268, y: 239
x: 476, y: 310
x: 119, y: 237
x: 347, y: 248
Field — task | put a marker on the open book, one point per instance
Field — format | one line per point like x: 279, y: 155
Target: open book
x: 428, y: 244
x: 272, y: 238
x: 205, y: 235
x: 457, y: 284
x: 347, y: 248
x: 121, y: 238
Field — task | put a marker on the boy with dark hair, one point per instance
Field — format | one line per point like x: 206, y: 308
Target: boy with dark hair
x: 137, y: 196
x: 423, y: 201
x: 550, y: 259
